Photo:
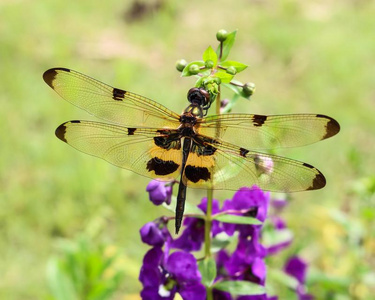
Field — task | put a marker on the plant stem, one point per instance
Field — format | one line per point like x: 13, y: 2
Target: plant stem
x: 208, y: 219
x: 208, y: 224
x: 209, y: 294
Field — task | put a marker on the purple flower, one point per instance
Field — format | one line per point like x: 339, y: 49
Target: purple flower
x: 297, y: 268
x: 183, y: 266
x: 245, y: 263
x: 279, y: 204
x: 159, y: 192
x: 155, y: 233
x: 163, y: 276
x: 220, y: 295
x: 192, y: 237
x: 246, y: 202
x: 254, y: 297
x: 152, y: 276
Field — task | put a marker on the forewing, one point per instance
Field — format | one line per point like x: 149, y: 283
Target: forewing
x: 135, y: 149
x: 269, y: 132
x: 109, y: 103
x: 230, y: 168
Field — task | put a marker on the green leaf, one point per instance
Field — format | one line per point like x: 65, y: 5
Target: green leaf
x: 207, y: 268
x: 234, y: 219
x: 283, y: 278
x: 275, y: 237
x: 60, y: 284
x: 220, y: 241
x: 224, y: 76
x: 227, y: 45
x: 210, y: 54
x: 239, y: 287
x: 186, y: 70
x: 189, y: 208
x: 230, y: 63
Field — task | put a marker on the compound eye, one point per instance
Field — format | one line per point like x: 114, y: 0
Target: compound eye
x: 198, y: 96
x: 206, y: 96
x: 191, y: 93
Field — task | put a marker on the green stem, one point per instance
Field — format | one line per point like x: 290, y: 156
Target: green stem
x: 208, y: 219
x: 209, y: 294
x: 208, y: 224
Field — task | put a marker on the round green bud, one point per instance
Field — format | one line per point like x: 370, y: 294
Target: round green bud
x: 248, y: 88
x: 231, y: 70
x: 209, y: 64
x: 217, y: 80
x: 221, y: 35
x: 180, y: 65
x: 194, y: 69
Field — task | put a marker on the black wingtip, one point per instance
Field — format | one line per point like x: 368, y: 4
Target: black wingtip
x: 319, y: 181
x: 60, y: 132
x: 332, y: 127
x: 49, y: 75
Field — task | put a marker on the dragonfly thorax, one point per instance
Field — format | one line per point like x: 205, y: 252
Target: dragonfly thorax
x: 188, y: 121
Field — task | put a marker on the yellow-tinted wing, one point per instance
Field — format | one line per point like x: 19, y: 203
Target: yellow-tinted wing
x: 109, y: 103
x: 268, y: 132
x: 145, y: 151
x: 227, y: 167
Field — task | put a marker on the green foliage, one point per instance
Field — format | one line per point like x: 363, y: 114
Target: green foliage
x: 210, y: 55
x: 225, y: 46
x: 83, y: 270
x: 207, y: 268
x: 240, y: 287
x: 215, y: 69
x: 237, y: 219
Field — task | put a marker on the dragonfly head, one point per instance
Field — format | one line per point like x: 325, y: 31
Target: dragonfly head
x: 199, y: 97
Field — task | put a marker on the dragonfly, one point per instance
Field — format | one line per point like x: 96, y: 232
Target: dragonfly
x: 219, y: 152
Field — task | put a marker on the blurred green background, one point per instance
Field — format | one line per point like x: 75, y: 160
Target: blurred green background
x: 304, y: 57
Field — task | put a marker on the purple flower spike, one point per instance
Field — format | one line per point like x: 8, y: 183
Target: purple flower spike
x: 297, y: 268
x: 159, y: 192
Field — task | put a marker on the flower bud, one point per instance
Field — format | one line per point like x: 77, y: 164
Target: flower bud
x: 159, y: 192
x: 231, y: 70
x: 217, y: 80
x: 209, y: 64
x: 248, y: 88
x: 221, y: 35
x: 180, y: 65
x: 151, y: 234
x: 194, y: 69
